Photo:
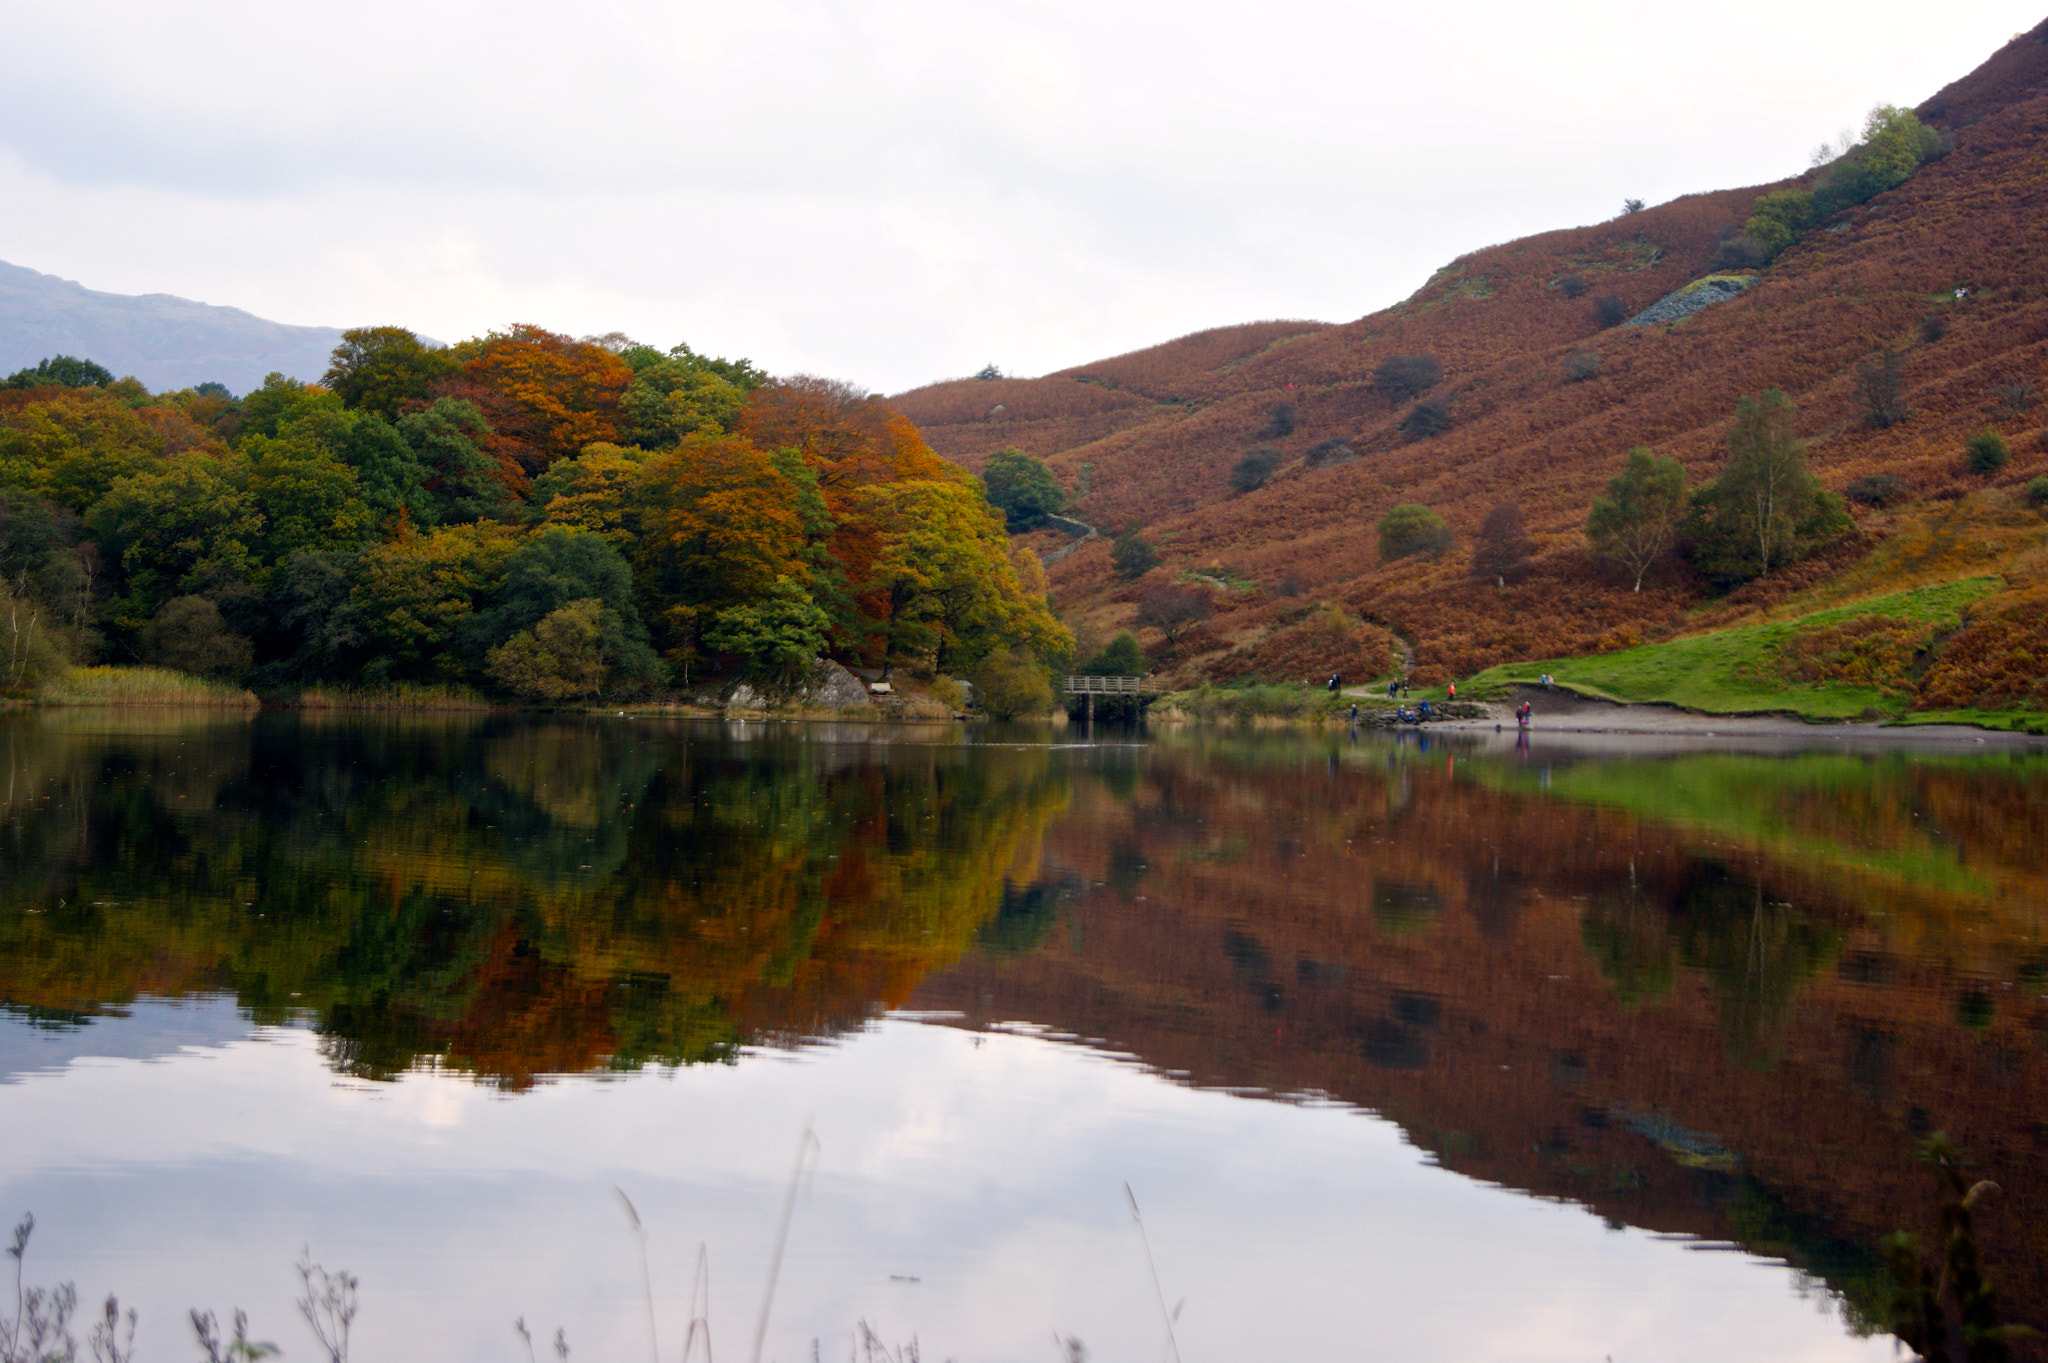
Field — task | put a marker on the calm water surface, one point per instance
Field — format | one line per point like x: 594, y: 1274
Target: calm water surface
x: 1404, y: 1051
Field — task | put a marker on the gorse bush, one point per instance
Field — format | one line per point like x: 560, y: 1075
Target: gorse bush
x: 1251, y: 472
x: 1986, y: 453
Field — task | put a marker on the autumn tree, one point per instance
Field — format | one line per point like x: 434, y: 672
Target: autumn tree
x: 560, y: 658
x: 411, y: 598
x: 1023, y: 489
x: 1766, y: 509
x: 1173, y: 611
x: 1502, y: 550
x: 544, y: 396
x: 1637, y: 521
x: 381, y: 369
x: 1881, y: 391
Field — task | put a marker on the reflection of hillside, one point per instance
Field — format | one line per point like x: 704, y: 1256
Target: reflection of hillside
x: 1687, y: 1033
x: 504, y: 898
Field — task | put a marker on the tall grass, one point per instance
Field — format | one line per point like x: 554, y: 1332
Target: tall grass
x: 395, y: 696
x: 1249, y: 703
x: 140, y: 686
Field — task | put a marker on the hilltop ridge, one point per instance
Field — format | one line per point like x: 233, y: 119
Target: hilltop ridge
x: 1546, y: 388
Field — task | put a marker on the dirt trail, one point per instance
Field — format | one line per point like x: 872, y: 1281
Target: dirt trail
x: 1555, y: 710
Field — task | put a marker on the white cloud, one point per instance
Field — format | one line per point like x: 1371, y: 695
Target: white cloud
x: 897, y: 190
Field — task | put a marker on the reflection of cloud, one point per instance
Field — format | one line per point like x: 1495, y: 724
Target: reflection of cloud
x: 991, y: 1171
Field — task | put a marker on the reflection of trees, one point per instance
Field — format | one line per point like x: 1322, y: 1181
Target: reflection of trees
x: 505, y: 898
x: 1628, y: 934
x: 1759, y: 952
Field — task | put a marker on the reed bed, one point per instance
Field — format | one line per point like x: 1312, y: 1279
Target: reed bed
x: 125, y: 686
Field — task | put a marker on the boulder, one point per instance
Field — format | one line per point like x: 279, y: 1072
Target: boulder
x: 834, y: 688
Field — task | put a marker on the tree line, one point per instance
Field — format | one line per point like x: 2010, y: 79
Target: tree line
x: 524, y: 512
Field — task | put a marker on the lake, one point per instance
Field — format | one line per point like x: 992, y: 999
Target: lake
x: 1027, y: 1044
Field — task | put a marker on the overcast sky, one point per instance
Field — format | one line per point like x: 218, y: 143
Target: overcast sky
x: 895, y: 191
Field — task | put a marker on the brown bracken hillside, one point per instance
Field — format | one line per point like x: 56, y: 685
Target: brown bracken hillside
x: 1948, y: 270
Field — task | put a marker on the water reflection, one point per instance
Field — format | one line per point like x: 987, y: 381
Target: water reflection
x: 1706, y: 993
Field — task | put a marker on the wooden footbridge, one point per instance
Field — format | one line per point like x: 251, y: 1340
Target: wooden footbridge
x: 1141, y: 689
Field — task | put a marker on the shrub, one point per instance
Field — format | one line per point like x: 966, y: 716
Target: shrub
x: 1279, y: 421
x: 1010, y: 684
x: 1292, y: 584
x: 1427, y: 419
x: 1329, y: 452
x: 1933, y: 327
x: 1401, y: 377
x: 1881, y: 391
x: 1573, y: 285
x: 1986, y: 453
x: 2037, y: 492
x: 559, y: 658
x: 1778, y: 219
x: 1738, y: 251
x: 1254, y: 469
x: 189, y: 635
x: 1631, y: 206
x: 1878, y: 489
x: 1581, y: 365
x: 1132, y: 556
x: 1173, y: 611
x: 1609, y: 310
x: 1407, y: 530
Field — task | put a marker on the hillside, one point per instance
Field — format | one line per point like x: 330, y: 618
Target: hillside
x: 166, y: 342
x: 1947, y: 270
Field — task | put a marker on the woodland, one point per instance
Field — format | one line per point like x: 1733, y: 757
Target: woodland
x: 523, y: 514
x: 1874, y: 360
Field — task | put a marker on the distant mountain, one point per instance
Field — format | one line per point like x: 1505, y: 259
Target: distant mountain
x: 165, y: 341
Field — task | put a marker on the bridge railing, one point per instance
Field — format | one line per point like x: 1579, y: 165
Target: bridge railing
x: 1112, y: 686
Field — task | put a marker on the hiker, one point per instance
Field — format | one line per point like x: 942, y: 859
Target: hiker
x: 1422, y: 711
x: 1401, y: 716
x: 1522, y: 715
x: 1451, y: 692
x: 1332, y: 683
x: 1393, y: 688
x: 1354, y: 714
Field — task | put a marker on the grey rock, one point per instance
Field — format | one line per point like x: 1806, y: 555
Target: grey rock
x: 1692, y: 298
x: 834, y: 688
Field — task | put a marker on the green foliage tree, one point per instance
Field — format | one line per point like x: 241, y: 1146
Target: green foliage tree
x: 1132, y: 555
x: 1023, y: 489
x: 184, y: 528
x: 412, y: 595
x: 1120, y: 657
x: 781, y: 634
x: 1408, y: 529
x: 381, y: 369
x: 61, y: 371
x: 279, y: 400
x: 1766, y: 509
x: 1011, y: 684
x: 1986, y: 452
x: 308, y: 498
x: 447, y: 440
x: 560, y: 658
x: 672, y: 398
x: 189, y: 634
x: 1252, y: 471
x: 1637, y: 521
x: 1778, y: 219
x: 556, y: 568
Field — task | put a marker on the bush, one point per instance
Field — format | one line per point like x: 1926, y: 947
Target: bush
x: 1401, y: 377
x: 1132, y: 556
x: 1986, y: 453
x: 1581, y: 365
x: 1292, y: 584
x: 1778, y: 219
x: 1933, y: 327
x: 1573, y: 285
x: 1329, y: 452
x: 1609, y: 310
x: 1011, y: 684
x: 1738, y: 251
x: 1279, y: 421
x: 1254, y: 469
x: 2037, y: 492
x: 1881, y: 391
x: 1878, y: 489
x: 1426, y: 420
x: 1630, y: 207
x: 189, y: 635
x: 558, y: 659
x: 1407, y: 530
